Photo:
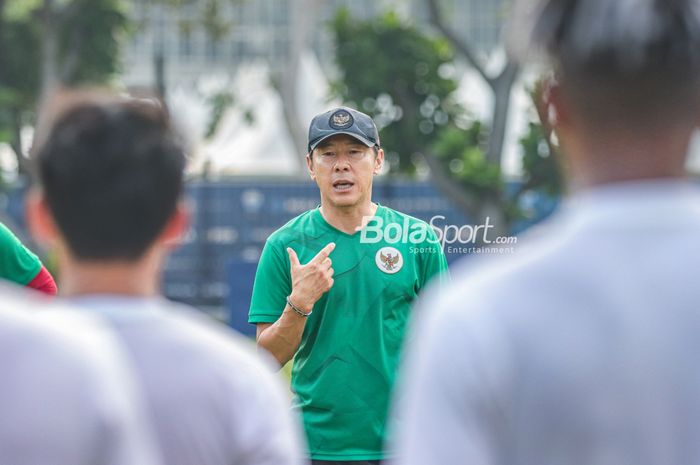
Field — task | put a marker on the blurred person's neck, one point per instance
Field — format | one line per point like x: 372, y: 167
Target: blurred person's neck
x: 130, y: 278
x: 597, y: 161
x: 348, y: 219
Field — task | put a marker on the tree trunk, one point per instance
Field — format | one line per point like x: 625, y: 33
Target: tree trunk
x: 2, y: 24
x: 49, y: 50
x: 49, y: 62
x: 502, y: 87
x: 16, y: 142
x: 303, y: 17
x: 159, y: 68
x: 493, y: 210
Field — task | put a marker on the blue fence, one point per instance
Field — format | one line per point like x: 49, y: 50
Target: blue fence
x: 215, y: 267
x: 217, y: 263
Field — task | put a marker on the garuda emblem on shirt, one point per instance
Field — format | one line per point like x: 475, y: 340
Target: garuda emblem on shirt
x: 389, y: 260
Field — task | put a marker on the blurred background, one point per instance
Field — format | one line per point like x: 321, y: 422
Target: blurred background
x: 462, y: 126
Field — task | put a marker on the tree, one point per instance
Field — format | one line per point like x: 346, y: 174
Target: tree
x: 49, y: 43
x: 400, y: 75
x: 392, y: 71
x: 501, y: 84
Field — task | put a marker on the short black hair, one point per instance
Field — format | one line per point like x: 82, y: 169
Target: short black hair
x: 112, y: 175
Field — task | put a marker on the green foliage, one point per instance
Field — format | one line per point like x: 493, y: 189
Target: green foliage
x: 402, y: 77
x: 88, y: 33
x: 19, y: 73
x: 94, y: 33
x: 462, y: 152
x: 216, y: 27
x: 20, y: 10
x: 395, y: 73
x: 542, y: 170
x: 219, y: 103
x: 208, y: 16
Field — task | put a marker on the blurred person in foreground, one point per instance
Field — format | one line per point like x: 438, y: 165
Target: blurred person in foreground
x: 334, y: 292
x: 582, y: 350
x: 110, y: 203
x: 67, y: 395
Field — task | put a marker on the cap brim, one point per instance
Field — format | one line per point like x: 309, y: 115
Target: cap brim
x: 364, y: 140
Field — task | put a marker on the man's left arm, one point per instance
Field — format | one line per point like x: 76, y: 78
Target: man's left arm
x: 20, y: 265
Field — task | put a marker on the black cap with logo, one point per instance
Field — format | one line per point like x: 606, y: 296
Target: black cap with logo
x: 343, y: 120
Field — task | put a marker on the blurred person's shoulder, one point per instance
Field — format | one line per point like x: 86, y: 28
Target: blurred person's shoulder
x: 50, y: 336
x: 43, y: 314
x: 223, y: 343
x: 159, y: 325
x: 506, y: 280
x: 594, y: 242
x: 72, y: 370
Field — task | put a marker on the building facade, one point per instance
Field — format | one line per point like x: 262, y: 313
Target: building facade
x: 265, y: 30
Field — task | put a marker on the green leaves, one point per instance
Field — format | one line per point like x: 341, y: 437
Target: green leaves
x: 218, y: 103
x: 462, y: 151
x: 205, y: 14
x: 88, y: 36
x: 405, y: 79
x: 391, y: 71
x: 20, y: 10
x: 91, y: 38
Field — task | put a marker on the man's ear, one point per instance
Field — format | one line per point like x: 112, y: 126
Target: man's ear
x: 310, y: 166
x: 378, y: 161
x: 177, y: 225
x: 39, y: 218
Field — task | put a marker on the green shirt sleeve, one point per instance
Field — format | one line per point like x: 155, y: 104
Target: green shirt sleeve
x: 272, y: 284
x: 433, y: 263
x: 17, y: 263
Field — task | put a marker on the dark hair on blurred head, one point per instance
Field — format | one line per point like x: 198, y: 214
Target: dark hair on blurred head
x: 638, y: 59
x: 111, y: 170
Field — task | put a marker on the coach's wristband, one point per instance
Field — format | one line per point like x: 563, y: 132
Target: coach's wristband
x: 296, y: 309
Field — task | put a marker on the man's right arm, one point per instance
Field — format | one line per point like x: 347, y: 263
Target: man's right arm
x: 308, y: 283
x: 282, y: 338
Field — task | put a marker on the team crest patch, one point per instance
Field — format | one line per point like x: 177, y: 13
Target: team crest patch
x: 341, y: 119
x: 389, y: 260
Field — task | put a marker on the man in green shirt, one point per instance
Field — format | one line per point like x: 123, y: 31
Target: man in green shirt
x: 334, y: 288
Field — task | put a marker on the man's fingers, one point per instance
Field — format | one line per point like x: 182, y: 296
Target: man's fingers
x: 293, y: 259
x: 324, y: 253
x: 325, y: 264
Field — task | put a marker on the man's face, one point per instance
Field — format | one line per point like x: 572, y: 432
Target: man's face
x: 344, y: 168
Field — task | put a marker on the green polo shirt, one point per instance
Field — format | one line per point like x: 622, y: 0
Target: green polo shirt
x: 345, y: 367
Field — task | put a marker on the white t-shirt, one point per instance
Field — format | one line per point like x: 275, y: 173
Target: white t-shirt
x: 582, y: 350
x: 213, y: 400
x: 66, y: 394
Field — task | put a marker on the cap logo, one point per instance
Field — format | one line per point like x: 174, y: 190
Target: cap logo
x: 341, y: 119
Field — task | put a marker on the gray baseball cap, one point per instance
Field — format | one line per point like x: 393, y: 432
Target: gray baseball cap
x: 343, y: 120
